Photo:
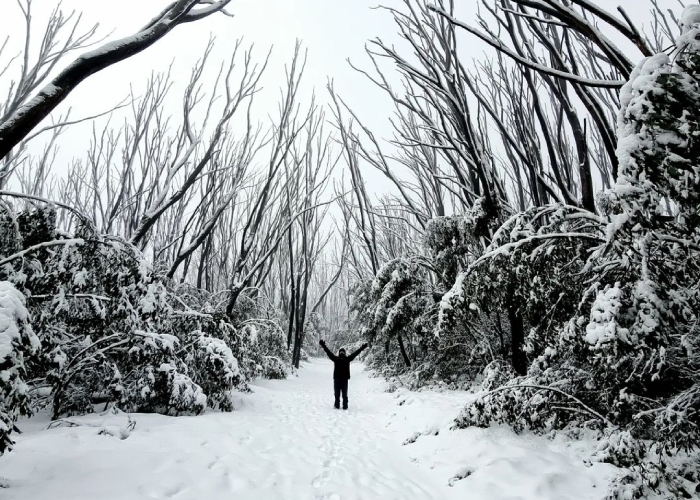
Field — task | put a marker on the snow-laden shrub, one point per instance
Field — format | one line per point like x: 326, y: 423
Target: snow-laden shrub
x: 247, y: 347
x: 400, y: 307
x: 666, y: 477
x: 621, y: 449
x: 116, y: 331
x: 153, y: 379
x: 452, y: 241
x: 274, y: 368
x: 215, y: 369
x: 496, y: 374
x: 395, y: 310
x: 184, y: 396
x: 448, y: 239
x: 272, y: 341
x: 637, y: 482
x: 510, y: 301
x: 251, y: 343
x: 17, y: 344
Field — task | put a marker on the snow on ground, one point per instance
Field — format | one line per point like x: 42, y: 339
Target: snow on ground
x: 285, y: 441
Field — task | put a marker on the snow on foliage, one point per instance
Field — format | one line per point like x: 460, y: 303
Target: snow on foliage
x: 216, y: 370
x: 274, y: 368
x: 218, y: 353
x: 184, y: 395
x: 113, y: 329
x: 603, y: 327
x: 689, y: 18
x: 17, y: 344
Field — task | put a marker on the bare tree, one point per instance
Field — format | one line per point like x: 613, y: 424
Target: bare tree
x: 314, y: 159
x: 23, y: 113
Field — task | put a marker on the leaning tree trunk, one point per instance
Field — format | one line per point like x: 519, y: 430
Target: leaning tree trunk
x: 406, y: 359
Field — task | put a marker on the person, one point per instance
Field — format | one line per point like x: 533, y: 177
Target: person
x: 341, y: 372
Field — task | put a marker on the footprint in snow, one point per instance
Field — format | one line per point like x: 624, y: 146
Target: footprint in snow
x: 165, y: 491
x: 216, y: 464
x: 462, y: 473
x: 328, y: 496
x: 321, y: 479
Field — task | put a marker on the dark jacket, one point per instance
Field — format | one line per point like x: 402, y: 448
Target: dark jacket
x: 341, y: 369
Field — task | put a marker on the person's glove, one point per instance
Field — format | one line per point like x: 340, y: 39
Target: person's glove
x: 365, y: 345
x: 322, y: 342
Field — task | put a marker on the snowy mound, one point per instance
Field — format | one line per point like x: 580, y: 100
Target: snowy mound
x: 690, y: 17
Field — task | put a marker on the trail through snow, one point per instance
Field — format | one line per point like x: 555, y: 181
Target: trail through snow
x: 286, y: 441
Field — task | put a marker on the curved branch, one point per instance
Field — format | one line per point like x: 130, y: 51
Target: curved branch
x: 587, y: 408
x: 496, y: 44
x: 15, y: 128
x: 45, y: 244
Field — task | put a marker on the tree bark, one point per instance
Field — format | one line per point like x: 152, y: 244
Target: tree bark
x: 406, y: 359
x: 517, y: 333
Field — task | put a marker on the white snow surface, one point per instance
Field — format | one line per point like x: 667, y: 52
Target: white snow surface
x: 11, y: 310
x: 690, y: 17
x: 285, y: 441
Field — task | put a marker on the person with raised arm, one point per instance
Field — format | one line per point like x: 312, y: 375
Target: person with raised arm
x: 341, y: 372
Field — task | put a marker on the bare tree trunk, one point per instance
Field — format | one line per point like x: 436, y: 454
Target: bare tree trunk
x: 292, y: 291
x: 517, y: 335
x: 402, y: 348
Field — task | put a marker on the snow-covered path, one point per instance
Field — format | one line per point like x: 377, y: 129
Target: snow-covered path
x: 286, y: 441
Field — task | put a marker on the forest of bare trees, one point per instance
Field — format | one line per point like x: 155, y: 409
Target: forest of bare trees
x: 540, y: 237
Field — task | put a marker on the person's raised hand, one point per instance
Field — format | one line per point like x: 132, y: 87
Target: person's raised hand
x: 365, y: 345
x: 322, y: 342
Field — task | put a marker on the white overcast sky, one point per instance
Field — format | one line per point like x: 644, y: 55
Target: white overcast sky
x: 331, y: 30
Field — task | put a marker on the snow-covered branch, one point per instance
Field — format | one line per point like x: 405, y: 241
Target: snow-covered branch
x: 18, y: 124
x: 41, y: 246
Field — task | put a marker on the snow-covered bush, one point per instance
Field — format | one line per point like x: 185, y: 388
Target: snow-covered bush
x: 157, y: 378
x: 215, y: 369
x: 18, y: 344
x: 182, y: 395
x: 315, y: 330
x: 620, y: 347
x: 274, y: 368
x: 451, y: 242
x: 673, y: 478
x: 396, y: 307
x: 115, y: 330
x: 247, y: 346
x: 417, y: 303
x: 620, y: 448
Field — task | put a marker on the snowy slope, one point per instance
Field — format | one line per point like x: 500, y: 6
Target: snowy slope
x: 286, y: 441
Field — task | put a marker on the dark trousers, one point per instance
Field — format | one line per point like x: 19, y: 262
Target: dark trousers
x: 338, y: 387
